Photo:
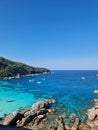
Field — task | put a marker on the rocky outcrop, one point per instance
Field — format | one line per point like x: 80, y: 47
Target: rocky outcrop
x: 84, y: 126
x: 37, y: 115
x: 92, y: 120
x: 92, y: 113
x: 60, y: 123
x: 12, y: 118
x: 31, y: 116
x: 75, y: 125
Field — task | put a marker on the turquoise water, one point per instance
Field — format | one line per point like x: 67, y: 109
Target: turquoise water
x: 73, y: 94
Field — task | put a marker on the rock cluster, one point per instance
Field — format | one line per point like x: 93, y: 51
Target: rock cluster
x: 92, y: 113
x: 31, y: 116
x: 90, y: 124
x: 61, y: 125
x: 39, y: 112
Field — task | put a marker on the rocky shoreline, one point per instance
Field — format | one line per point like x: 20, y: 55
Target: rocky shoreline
x: 12, y: 69
x: 40, y: 116
x: 21, y: 76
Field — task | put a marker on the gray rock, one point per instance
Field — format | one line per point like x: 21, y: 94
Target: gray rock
x: 39, y: 105
x: 95, y: 128
x: 28, y: 119
x: 11, y: 119
x: 96, y: 123
x: 42, y: 111
x: 67, y: 127
x: 96, y: 111
x: 53, y: 128
x: 91, y: 114
x: 41, y: 116
x: 84, y: 127
x: 74, y: 127
x: 60, y: 128
x: 77, y: 121
x: 60, y: 123
x: 90, y: 123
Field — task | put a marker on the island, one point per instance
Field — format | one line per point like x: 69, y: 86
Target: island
x: 11, y: 69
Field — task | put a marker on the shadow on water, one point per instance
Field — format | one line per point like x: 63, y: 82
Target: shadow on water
x: 2, y: 127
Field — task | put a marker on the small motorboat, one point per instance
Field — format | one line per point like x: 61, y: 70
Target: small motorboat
x: 39, y: 82
x: 82, y: 77
x: 32, y: 80
x: 97, y: 75
x: 10, y: 100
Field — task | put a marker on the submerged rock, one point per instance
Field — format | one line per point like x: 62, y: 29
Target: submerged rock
x: 53, y: 128
x: 84, y: 127
x: 60, y: 123
x: 91, y: 114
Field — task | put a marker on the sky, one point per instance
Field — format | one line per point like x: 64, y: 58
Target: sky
x: 56, y: 34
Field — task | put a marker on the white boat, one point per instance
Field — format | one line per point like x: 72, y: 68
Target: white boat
x: 97, y: 75
x: 39, y: 82
x: 32, y: 80
x: 82, y: 77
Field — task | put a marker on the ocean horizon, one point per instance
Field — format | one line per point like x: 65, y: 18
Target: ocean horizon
x: 72, y: 90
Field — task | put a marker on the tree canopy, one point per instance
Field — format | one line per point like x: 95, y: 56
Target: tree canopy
x: 10, y: 68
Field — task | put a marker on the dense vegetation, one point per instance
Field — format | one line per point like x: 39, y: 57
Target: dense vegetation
x: 10, y: 68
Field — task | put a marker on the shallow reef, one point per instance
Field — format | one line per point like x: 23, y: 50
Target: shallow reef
x: 42, y: 116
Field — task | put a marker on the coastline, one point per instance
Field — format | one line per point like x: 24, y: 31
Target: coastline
x: 51, y: 119
x: 21, y: 76
x: 41, y: 116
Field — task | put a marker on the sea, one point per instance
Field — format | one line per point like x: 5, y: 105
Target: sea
x: 72, y: 90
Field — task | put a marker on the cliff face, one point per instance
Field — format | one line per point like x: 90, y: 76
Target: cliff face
x: 10, y: 68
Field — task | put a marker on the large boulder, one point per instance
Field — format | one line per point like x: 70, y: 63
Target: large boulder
x: 32, y: 115
x: 84, y: 127
x: 91, y: 114
x: 74, y: 127
x: 39, y: 105
x: 95, y: 128
x: 25, y: 120
x: 90, y: 123
x: 76, y: 124
x: 12, y: 118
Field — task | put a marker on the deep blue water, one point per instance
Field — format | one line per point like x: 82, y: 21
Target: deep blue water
x: 73, y: 94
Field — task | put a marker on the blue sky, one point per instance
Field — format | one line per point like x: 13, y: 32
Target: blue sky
x: 57, y: 34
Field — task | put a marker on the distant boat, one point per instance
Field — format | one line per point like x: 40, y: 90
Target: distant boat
x: 11, y: 100
x: 97, y: 75
x: 32, y: 80
x: 82, y: 77
x: 39, y: 82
